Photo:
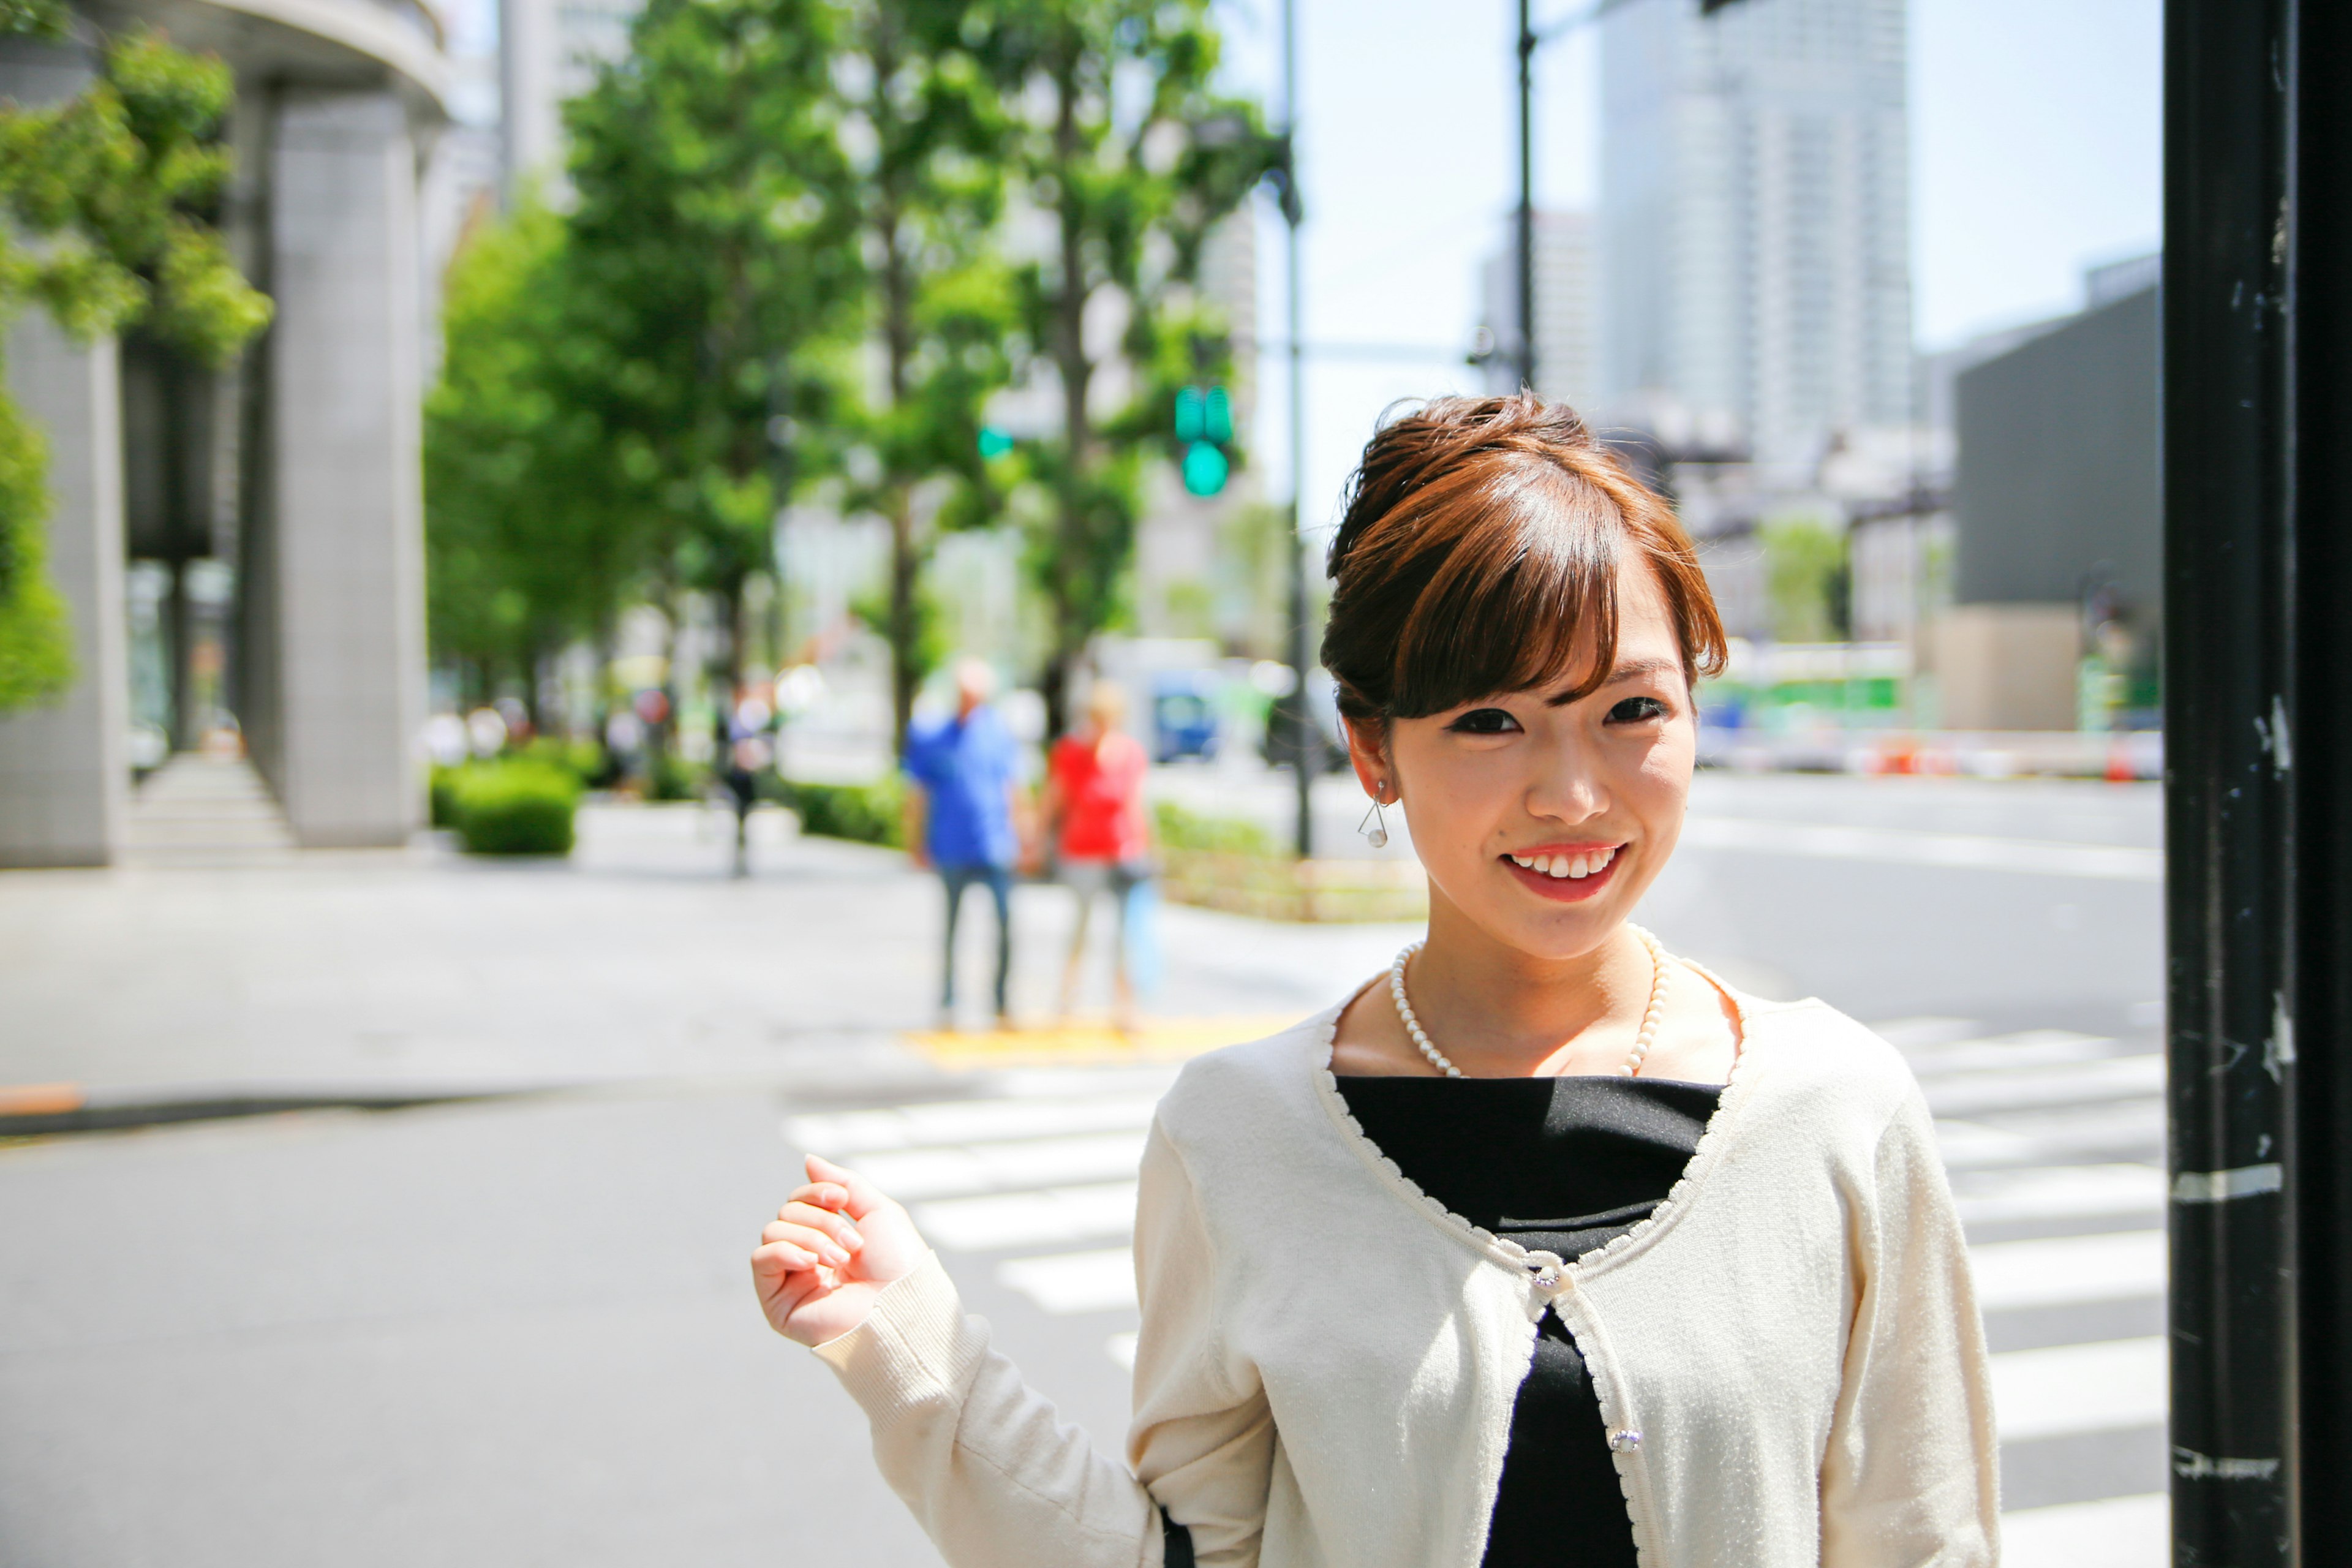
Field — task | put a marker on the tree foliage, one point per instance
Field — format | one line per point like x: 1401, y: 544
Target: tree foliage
x: 107, y: 203
x: 1133, y: 156
x: 812, y: 239
x: 533, y: 539
x: 714, y: 236
x: 928, y: 137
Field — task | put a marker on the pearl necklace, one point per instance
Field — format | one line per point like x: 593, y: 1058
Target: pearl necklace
x: 1642, y: 1041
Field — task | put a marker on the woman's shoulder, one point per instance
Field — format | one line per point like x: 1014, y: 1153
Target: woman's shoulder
x: 1245, y: 1090
x: 1810, y: 1051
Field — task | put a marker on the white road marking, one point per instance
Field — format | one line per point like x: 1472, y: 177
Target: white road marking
x: 1069, y: 1282
x: 841, y: 1133
x: 2061, y: 1191
x: 912, y: 1173
x: 2107, y: 1386
x: 2025, y: 1048
x: 2060, y: 1271
x: 2012, y: 1089
x: 2113, y: 1532
x: 1054, y: 1216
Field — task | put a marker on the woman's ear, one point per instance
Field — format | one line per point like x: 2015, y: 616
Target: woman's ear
x: 1368, y: 754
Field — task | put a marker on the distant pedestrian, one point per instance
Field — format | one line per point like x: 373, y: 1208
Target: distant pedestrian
x: 965, y: 779
x: 749, y: 754
x: 1093, y: 821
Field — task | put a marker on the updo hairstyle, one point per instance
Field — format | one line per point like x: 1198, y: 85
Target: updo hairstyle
x: 1480, y: 548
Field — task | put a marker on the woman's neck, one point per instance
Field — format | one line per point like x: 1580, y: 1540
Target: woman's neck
x: 1499, y: 1012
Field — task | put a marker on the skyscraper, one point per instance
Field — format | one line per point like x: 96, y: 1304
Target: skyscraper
x: 1564, y: 317
x: 1754, y: 256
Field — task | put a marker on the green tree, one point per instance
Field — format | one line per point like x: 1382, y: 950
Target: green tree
x: 107, y: 209
x: 532, y: 540
x: 1806, y: 579
x: 1132, y: 156
x: 927, y: 140
x: 713, y: 241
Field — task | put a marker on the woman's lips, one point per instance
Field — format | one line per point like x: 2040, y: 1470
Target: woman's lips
x: 1554, y: 875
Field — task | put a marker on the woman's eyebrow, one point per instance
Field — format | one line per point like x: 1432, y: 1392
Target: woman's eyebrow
x: 1631, y: 670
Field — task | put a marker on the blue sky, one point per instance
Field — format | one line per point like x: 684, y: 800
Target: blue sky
x: 2034, y: 153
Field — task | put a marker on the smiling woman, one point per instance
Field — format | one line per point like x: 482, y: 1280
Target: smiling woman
x: 1551, y: 1248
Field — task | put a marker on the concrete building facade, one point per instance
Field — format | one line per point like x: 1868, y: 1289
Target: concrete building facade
x: 2058, y: 514
x: 296, y: 473
x: 1754, y: 256
x: 1567, y: 322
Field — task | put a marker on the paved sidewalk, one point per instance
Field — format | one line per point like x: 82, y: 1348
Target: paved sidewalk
x: 428, y: 972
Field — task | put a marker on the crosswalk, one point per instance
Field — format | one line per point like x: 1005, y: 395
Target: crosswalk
x: 2053, y: 1141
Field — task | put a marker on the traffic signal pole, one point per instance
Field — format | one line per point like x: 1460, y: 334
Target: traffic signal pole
x: 1305, y: 749
x: 2258, y: 717
x: 1524, y: 234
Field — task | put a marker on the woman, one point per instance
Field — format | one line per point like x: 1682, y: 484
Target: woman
x: 1544, y: 1247
x: 1093, y: 821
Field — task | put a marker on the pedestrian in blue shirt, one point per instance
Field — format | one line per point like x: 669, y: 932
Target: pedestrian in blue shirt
x: 961, y: 817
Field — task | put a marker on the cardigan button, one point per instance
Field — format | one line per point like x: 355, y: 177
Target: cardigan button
x: 1625, y: 1441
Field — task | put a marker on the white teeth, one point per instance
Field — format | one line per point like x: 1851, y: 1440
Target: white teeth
x: 1522, y: 860
x: 1581, y: 867
x: 1563, y: 865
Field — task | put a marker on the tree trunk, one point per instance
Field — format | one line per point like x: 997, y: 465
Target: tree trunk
x: 905, y: 617
x: 1066, y: 581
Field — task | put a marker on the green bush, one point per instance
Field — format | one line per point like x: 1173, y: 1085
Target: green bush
x: 868, y: 813
x: 584, y: 760
x: 1180, y: 829
x: 515, y: 808
x: 443, y: 796
x: 672, y: 777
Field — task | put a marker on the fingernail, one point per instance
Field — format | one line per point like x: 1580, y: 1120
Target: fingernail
x: 836, y: 1257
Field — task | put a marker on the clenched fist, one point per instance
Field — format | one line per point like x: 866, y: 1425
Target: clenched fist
x: 829, y: 1252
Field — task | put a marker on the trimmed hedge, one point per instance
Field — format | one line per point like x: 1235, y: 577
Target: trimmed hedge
x: 515, y: 808
x: 865, y: 813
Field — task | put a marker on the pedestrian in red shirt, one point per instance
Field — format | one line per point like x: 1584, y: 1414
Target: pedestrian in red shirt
x: 1095, y: 824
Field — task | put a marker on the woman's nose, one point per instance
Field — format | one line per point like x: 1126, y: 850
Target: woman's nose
x: 1567, y: 787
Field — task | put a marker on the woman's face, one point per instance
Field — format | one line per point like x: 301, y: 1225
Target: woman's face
x: 1544, y: 822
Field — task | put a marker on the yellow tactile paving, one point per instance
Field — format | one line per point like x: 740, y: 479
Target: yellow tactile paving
x: 1091, y: 1041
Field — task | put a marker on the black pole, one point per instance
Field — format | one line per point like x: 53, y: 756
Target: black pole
x: 2258, y: 716
x: 1525, y: 232
x: 1306, y: 753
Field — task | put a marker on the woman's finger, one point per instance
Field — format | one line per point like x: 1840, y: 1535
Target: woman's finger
x: 815, y: 1243
x: 863, y: 1196
x: 842, y: 1230
x: 776, y: 1261
x: 821, y: 1194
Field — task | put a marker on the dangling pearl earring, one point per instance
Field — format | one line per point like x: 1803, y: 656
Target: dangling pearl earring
x: 1377, y: 835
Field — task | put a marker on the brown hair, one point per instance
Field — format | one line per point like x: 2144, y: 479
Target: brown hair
x: 1483, y: 536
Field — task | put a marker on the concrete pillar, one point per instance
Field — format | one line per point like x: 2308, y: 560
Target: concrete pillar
x: 64, y: 777
x: 336, y: 608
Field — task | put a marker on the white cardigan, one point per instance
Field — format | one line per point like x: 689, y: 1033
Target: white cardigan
x: 1788, y: 1352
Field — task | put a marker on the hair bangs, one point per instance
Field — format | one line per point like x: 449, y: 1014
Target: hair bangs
x: 1525, y: 598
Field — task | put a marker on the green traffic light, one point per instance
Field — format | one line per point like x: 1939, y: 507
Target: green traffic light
x: 1205, y: 469
x: 1192, y: 414
x: 993, y: 442
x: 1217, y: 418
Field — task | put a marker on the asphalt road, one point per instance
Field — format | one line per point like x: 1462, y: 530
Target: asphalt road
x: 517, y: 1331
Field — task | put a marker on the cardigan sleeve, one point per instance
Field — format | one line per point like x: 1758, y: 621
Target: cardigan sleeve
x: 1204, y: 1434
x: 981, y: 1459
x: 1911, y: 1475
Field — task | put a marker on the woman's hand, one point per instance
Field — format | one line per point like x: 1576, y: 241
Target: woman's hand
x: 828, y: 1253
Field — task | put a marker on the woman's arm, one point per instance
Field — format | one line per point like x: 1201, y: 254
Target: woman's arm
x: 1911, y: 1475
x: 988, y: 1470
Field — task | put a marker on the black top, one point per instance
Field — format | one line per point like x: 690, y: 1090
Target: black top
x: 1562, y: 1165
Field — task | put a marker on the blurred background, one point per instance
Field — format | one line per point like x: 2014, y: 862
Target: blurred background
x: 489, y: 488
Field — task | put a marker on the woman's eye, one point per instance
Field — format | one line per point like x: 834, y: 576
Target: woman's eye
x: 1485, y: 722
x: 1637, y: 710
